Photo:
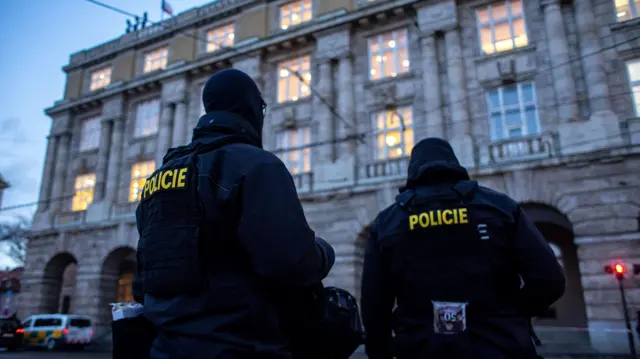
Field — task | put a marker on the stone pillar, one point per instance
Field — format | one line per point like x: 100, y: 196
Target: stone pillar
x: 60, y: 171
x: 115, y: 160
x: 346, y: 104
x: 592, y: 61
x: 461, y: 140
x: 563, y: 82
x: 47, y: 175
x: 103, y: 159
x: 180, y: 125
x: 163, y: 141
x: 325, y: 120
x: 432, y: 90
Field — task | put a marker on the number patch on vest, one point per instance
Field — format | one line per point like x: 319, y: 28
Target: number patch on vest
x: 165, y: 180
x: 449, y: 317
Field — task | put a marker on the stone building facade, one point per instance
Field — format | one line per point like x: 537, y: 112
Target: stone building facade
x: 536, y: 97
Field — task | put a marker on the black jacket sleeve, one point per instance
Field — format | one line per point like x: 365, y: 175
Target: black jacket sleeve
x: 377, y: 299
x: 274, y: 231
x: 543, y: 277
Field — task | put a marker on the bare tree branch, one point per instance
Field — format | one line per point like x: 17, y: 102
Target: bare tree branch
x: 13, y: 236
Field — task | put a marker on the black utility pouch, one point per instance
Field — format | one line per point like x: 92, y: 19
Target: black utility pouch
x: 132, y: 337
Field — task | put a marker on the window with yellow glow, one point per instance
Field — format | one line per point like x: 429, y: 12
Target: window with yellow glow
x: 393, y: 139
x: 293, y: 149
x: 125, y: 288
x: 90, y: 134
x: 84, y: 191
x: 388, y: 54
x: 156, y: 59
x: 139, y: 174
x: 220, y: 37
x: 100, y: 78
x: 290, y: 87
x: 295, y: 13
x: 147, y: 118
x: 627, y: 9
x: 501, y: 26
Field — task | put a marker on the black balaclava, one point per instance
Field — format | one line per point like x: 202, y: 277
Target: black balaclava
x: 232, y: 90
x: 434, y: 161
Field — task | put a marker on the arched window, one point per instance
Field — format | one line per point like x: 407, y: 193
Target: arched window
x: 125, y: 292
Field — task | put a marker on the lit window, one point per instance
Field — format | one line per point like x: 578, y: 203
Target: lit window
x: 513, y: 112
x: 633, y: 69
x: 294, y: 149
x: 627, y: 9
x: 139, y: 174
x: 295, y: 13
x: 100, y: 78
x: 84, y: 191
x: 392, y: 141
x: 147, y: 118
x: 501, y: 26
x: 220, y: 37
x: 125, y: 288
x: 290, y: 88
x: 90, y: 134
x: 156, y: 59
x: 388, y: 55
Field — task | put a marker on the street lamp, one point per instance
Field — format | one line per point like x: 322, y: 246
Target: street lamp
x: 619, y: 269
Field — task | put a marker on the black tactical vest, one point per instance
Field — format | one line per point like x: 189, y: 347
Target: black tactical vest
x: 453, y: 250
x: 171, y: 220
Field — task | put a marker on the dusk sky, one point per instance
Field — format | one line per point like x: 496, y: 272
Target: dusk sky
x: 37, y: 37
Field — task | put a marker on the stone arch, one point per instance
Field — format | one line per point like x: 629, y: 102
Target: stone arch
x: 116, y: 277
x: 358, y: 258
x: 59, y: 284
x: 570, y: 309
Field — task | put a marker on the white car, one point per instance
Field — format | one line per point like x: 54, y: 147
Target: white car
x: 58, y: 330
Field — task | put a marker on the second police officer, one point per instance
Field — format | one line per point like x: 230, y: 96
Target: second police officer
x: 452, y: 255
x: 222, y: 233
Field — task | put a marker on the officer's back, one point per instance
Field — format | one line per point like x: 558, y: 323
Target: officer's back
x: 222, y: 231
x: 451, y: 253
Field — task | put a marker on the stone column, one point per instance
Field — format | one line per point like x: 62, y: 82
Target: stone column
x: 103, y: 158
x: 180, y: 125
x: 559, y: 54
x: 115, y: 160
x: 592, y: 60
x: 60, y: 171
x: 47, y: 175
x: 323, y: 115
x: 432, y: 95
x: 346, y: 103
x: 461, y: 140
x: 163, y: 141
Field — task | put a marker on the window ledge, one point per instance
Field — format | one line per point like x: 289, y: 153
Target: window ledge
x: 499, y: 55
x: 389, y: 80
x: 89, y: 151
x: 281, y: 105
x: 628, y: 24
x: 135, y: 139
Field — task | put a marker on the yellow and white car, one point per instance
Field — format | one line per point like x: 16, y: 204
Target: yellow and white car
x: 57, y: 330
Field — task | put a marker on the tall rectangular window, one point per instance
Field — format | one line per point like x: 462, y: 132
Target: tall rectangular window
x: 290, y: 88
x: 295, y: 13
x: 147, y: 118
x: 139, y: 173
x: 627, y: 9
x: 501, y: 26
x: 512, y: 111
x: 220, y: 37
x: 633, y: 69
x: 156, y: 59
x: 83, y: 191
x: 90, y: 134
x: 388, y: 54
x: 392, y: 141
x: 296, y: 152
x: 100, y: 78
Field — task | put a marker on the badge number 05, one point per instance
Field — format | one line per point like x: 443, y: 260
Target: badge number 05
x: 449, y: 317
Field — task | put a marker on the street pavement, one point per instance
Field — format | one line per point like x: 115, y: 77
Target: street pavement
x: 43, y: 354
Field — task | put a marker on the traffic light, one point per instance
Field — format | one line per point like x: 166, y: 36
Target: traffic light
x: 618, y: 268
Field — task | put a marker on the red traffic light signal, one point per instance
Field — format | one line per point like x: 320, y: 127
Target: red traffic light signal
x: 619, y: 268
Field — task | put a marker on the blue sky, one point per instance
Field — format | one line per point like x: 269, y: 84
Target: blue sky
x: 37, y: 37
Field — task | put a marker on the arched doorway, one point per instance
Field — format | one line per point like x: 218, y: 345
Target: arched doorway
x: 116, y: 278
x: 59, y: 284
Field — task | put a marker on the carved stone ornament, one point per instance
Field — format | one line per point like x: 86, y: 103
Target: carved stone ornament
x: 439, y: 16
x: 289, y: 117
x: 385, y: 95
x: 507, y: 69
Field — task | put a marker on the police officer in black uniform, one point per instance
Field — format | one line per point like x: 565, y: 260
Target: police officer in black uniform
x: 222, y: 233
x: 450, y: 254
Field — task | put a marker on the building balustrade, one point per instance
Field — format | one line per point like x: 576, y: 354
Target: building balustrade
x: 383, y: 170
x: 303, y: 182
x: 523, y: 148
x: 126, y: 209
x: 70, y: 218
